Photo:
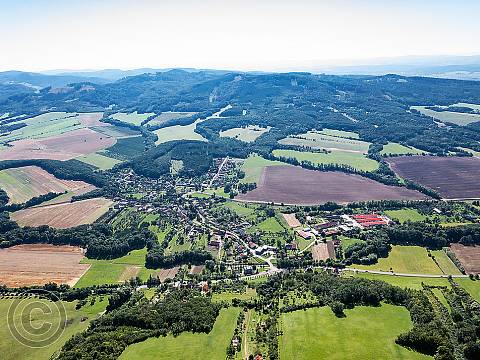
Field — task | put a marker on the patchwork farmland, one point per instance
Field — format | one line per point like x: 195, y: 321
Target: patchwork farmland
x: 246, y: 134
x: 297, y: 186
x: 22, y: 184
x: 19, y: 265
x: 451, y: 177
x: 63, y: 215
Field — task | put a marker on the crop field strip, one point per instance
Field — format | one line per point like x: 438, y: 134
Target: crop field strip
x: 452, y: 117
x: 168, y: 116
x: 63, y: 215
x: 132, y: 118
x: 355, y: 160
x: 452, y: 177
x: 247, y: 134
x: 318, y: 140
x: 398, y: 149
x: 296, y: 186
x: 22, y: 184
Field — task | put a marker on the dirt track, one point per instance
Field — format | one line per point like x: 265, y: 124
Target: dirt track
x: 38, y: 264
x: 298, y: 186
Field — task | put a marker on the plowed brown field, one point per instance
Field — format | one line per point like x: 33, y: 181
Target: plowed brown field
x: 26, y: 265
x: 451, y: 177
x: 297, y: 186
x: 469, y: 256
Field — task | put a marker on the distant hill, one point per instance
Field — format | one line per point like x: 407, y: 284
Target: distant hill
x: 38, y: 81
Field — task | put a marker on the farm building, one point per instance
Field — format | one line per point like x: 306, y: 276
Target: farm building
x: 370, y: 220
x: 304, y: 234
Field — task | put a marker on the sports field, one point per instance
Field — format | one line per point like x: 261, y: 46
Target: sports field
x: 188, y: 346
x: 253, y: 167
x: 100, y: 161
x: 11, y: 349
x: 404, y: 215
x: 246, y: 134
x: 318, y: 140
x: 354, y: 159
x: 131, y: 118
x: 406, y: 260
x: 398, y: 149
x: 178, y: 132
x: 457, y: 118
x: 365, y: 333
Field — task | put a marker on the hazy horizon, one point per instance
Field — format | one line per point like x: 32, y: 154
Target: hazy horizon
x: 233, y: 35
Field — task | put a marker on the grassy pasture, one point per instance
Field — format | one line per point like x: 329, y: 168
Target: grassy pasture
x: 239, y: 209
x: 445, y: 263
x: 340, y: 133
x: 398, y: 149
x: 100, y: 161
x: 404, y: 215
x: 317, y: 334
x: 169, y: 115
x: 317, y: 140
x: 353, y: 159
x: 188, y: 346
x: 131, y: 118
x: 228, y: 296
x: 347, y: 242
x: 270, y: 225
x: 407, y: 260
x: 253, y: 167
x: 402, y: 281
x: 247, y: 134
x: 178, y: 132
x: 471, y: 286
x: 11, y: 349
x: 452, y: 117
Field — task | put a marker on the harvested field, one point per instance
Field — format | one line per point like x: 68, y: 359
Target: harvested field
x: 91, y: 119
x: 168, y: 273
x: 453, y: 117
x: 24, y: 183
x: 291, y: 220
x: 469, y: 256
x: 167, y: 116
x: 451, y: 177
x: 323, y: 251
x: 318, y: 140
x: 197, y: 269
x: 296, y: 186
x: 20, y: 265
x: 130, y: 271
x: 61, y: 147
x: 115, y: 131
x: 63, y: 215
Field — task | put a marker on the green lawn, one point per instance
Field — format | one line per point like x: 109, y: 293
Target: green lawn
x: 178, y: 132
x: 353, y: 159
x: 405, y: 259
x: 318, y: 140
x: 132, y: 118
x: 347, y: 242
x: 404, y: 215
x: 445, y: 263
x: 340, y: 133
x: 402, y: 281
x: 397, y: 149
x: 253, y: 166
x: 246, y: 134
x: 100, y: 272
x: 230, y: 295
x: 472, y: 286
x: 189, y: 346
x: 100, y: 161
x: 365, y: 333
x: 270, y: 225
x: 11, y: 349
x: 239, y: 209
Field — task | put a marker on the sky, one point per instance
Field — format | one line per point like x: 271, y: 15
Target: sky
x: 238, y: 35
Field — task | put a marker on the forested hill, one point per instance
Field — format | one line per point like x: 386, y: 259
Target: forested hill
x: 377, y: 107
